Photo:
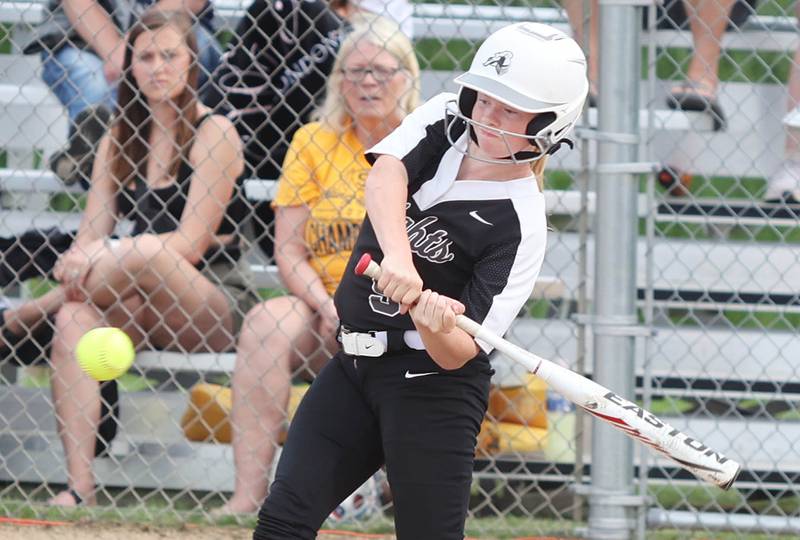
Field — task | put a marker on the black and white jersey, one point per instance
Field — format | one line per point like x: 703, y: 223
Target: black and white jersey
x: 481, y: 242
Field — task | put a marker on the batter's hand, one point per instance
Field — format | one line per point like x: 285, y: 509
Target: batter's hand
x: 400, y: 281
x: 436, y: 312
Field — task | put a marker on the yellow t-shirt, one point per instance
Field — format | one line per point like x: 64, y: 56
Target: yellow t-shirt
x: 327, y: 173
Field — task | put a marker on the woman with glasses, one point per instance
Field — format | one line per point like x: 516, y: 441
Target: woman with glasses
x: 273, y: 75
x: 454, y: 206
x: 319, y: 209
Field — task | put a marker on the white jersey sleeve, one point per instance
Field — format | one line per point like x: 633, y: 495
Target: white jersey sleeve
x: 413, y: 129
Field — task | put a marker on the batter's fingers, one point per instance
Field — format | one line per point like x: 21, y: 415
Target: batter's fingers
x: 448, y: 320
x: 446, y: 316
x: 387, y: 281
x: 390, y: 290
x: 399, y: 293
x: 457, y: 307
x: 427, y: 307
x: 412, y: 295
x: 432, y: 310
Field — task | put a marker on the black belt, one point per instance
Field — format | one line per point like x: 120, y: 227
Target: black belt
x: 377, y: 342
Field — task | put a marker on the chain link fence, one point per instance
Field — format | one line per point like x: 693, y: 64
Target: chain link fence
x: 716, y: 301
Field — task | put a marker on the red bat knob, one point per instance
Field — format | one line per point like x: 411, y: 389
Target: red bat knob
x: 363, y: 263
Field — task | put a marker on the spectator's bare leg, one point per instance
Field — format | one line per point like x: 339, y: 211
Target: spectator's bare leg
x: 28, y: 316
x: 707, y: 21
x: 276, y: 341
x: 578, y: 19
x: 183, y: 309
x: 793, y: 136
x: 76, y: 396
x: 784, y: 183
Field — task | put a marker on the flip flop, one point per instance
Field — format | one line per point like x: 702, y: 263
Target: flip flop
x: 78, y: 498
x: 789, y: 198
x: 695, y: 96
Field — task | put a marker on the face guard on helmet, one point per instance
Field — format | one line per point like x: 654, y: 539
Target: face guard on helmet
x: 530, y: 67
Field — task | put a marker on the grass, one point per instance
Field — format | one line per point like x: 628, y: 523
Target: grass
x: 669, y: 406
x: 181, y: 509
x: 5, y: 39
x: 39, y: 377
x: 743, y: 66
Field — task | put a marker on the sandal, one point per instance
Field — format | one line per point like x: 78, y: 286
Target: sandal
x: 78, y: 498
x: 787, y: 198
x: 697, y: 96
x: 74, y: 495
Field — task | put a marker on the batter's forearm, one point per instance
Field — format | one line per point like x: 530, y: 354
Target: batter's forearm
x: 386, y: 194
x: 451, y: 350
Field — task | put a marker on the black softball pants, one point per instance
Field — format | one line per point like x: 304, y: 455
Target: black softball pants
x: 363, y: 412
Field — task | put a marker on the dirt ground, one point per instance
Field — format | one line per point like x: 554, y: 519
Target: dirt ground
x: 143, y: 532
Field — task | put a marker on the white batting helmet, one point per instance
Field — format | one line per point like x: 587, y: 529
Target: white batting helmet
x: 534, y: 68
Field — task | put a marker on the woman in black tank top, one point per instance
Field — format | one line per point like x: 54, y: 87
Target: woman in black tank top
x: 172, y: 168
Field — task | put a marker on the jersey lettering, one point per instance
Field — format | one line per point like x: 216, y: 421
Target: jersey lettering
x: 431, y: 245
x: 381, y: 304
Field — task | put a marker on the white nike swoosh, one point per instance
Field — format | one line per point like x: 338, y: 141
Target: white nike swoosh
x: 410, y: 375
x: 475, y: 215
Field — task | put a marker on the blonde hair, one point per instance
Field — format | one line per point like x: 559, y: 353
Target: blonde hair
x: 382, y: 33
x: 538, y: 168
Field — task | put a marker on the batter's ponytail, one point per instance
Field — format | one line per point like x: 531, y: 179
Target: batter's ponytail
x: 538, y: 168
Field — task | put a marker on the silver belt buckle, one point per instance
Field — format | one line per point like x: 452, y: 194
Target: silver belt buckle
x: 362, y: 344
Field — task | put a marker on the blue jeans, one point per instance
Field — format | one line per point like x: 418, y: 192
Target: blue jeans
x: 76, y: 75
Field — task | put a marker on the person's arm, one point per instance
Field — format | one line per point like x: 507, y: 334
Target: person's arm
x: 96, y: 27
x: 27, y: 316
x: 291, y: 256
x: 99, y: 217
x: 192, y: 6
x: 299, y: 189
x: 386, y: 194
x: 216, y: 158
x: 434, y: 316
x: 97, y: 223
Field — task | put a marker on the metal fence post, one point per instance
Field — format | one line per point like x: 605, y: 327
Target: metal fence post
x: 611, y: 495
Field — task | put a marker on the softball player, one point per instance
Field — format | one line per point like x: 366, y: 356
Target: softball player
x: 452, y: 204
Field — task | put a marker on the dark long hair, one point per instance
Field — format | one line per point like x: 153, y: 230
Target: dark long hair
x: 131, y: 128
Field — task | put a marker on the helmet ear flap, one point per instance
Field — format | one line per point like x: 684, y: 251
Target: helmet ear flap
x: 541, y: 121
x: 466, y: 101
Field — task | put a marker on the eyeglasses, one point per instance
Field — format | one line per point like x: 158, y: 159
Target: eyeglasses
x: 380, y: 73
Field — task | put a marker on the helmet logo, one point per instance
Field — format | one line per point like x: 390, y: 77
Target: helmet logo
x: 501, y: 61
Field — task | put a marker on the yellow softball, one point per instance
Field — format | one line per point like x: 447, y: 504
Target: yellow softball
x: 105, y: 353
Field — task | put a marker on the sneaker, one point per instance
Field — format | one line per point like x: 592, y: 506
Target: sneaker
x: 74, y: 163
